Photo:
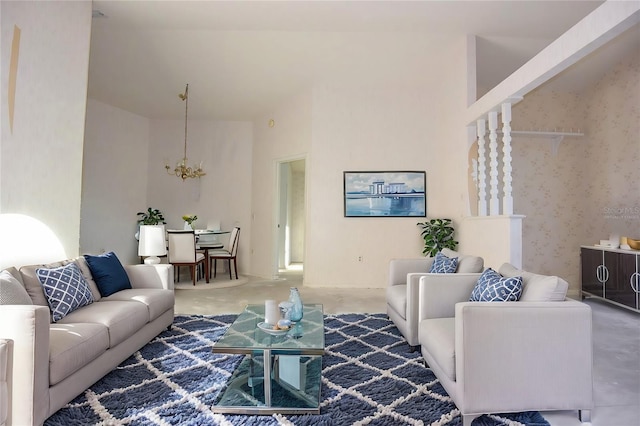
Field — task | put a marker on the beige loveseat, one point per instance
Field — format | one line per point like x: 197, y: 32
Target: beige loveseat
x: 402, y: 288
x: 53, y: 362
x: 534, y: 354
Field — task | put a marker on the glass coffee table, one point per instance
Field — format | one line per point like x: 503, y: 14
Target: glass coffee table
x: 281, y: 372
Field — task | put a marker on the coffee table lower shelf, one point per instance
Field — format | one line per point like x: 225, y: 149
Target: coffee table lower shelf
x: 294, y: 388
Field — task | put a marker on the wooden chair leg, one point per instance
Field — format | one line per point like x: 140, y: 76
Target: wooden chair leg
x: 193, y: 273
x: 230, y: 269
x: 215, y: 267
x: 235, y: 266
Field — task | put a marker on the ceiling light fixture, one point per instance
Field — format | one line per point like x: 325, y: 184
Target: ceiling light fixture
x: 182, y: 170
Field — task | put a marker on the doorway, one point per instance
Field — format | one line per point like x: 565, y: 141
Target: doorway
x: 291, y: 216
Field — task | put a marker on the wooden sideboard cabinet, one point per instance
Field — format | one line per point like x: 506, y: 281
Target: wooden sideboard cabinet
x: 611, y: 274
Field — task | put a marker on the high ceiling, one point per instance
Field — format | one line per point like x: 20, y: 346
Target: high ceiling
x: 242, y: 58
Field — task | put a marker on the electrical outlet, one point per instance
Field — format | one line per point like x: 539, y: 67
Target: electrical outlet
x: 359, y: 258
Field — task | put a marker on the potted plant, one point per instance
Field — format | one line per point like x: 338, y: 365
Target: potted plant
x: 437, y: 234
x: 188, y: 221
x: 151, y: 217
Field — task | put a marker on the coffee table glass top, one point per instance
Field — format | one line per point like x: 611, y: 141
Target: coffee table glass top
x: 304, y: 338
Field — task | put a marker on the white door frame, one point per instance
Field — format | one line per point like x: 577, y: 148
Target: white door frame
x: 277, y: 229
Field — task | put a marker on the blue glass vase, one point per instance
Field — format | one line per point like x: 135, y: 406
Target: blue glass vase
x: 296, y: 310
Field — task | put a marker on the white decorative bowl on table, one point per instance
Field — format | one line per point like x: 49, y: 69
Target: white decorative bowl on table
x: 269, y: 329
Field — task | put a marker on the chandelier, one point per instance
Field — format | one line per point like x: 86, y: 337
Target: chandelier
x: 182, y: 170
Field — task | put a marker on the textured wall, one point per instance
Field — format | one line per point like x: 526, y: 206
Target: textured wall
x: 613, y: 154
x: 565, y: 195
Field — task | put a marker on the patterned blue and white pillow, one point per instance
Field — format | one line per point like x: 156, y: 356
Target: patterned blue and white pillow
x: 65, y: 289
x: 493, y: 287
x: 443, y: 264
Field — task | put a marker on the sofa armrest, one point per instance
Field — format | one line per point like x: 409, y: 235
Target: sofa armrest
x: 6, y: 368
x: 543, y: 347
x: 439, y: 294
x: 28, y: 327
x: 413, y: 301
x: 399, y: 268
x: 150, y: 276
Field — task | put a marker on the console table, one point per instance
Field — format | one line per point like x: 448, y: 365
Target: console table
x: 612, y: 275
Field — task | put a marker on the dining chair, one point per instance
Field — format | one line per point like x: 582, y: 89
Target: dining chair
x: 228, y: 253
x: 182, y: 252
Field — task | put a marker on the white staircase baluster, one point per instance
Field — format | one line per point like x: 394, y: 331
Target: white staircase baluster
x: 494, y: 206
x: 507, y: 198
x: 482, y: 169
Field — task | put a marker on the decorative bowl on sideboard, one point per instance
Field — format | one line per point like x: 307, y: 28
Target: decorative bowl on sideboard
x: 634, y: 244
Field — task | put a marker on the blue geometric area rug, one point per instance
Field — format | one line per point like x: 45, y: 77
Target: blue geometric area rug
x: 368, y: 378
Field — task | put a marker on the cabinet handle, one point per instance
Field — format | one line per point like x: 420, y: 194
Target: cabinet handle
x: 599, y: 273
x: 635, y: 281
x: 602, y: 273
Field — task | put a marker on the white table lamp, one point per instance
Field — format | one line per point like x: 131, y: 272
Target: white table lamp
x: 152, y: 243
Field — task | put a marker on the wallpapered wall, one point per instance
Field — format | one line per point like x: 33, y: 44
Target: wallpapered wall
x: 588, y: 189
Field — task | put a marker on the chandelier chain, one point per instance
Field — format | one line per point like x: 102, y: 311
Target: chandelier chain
x: 186, y: 114
x: 182, y: 170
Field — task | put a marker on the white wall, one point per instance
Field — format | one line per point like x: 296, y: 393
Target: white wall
x: 42, y: 158
x: 289, y: 138
x: 114, y: 185
x: 395, y: 126
x: 298, y: 213
x: 223, y: 194
x: 391, y: 128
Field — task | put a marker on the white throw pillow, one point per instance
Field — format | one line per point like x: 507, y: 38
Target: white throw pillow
x: 536, y: 287
x: 11, y: 291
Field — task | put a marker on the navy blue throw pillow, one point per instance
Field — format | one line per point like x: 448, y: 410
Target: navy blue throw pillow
x: 443, y: 264
x: 108, y: 273
x: 493, y: 287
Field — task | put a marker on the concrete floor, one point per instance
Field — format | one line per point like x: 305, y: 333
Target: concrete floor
x: 616, y: 334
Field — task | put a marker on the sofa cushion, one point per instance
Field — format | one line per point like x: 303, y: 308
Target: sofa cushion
x: 123, y: 319
x: 34, y: 287
x: 443, y: 264
x: 11, y: 291
x: 466, y: 264
x: 65, y: 289
x: 397, y: 299
x: 86, y: 272
x: 437, y: 337
x: 537, y: 288
x: 32, y: 283
x: 157, y: 301
x: 72, y: 346
x: 493, y: 287
x: 108, y: 273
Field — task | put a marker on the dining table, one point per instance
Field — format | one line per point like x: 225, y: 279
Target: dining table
x: 205, y: 244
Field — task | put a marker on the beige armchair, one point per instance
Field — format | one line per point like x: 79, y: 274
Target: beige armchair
x: 503, y: 357
x: 403, y: 282
x: 6, y: 362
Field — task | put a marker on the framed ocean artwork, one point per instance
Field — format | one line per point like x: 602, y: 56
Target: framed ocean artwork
x: 385, y: 194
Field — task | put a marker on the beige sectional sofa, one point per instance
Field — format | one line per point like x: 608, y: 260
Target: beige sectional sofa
x: 534, y: 354
x: 53, y: 362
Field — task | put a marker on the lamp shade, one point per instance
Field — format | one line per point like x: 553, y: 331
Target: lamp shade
x: 152, y: 243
